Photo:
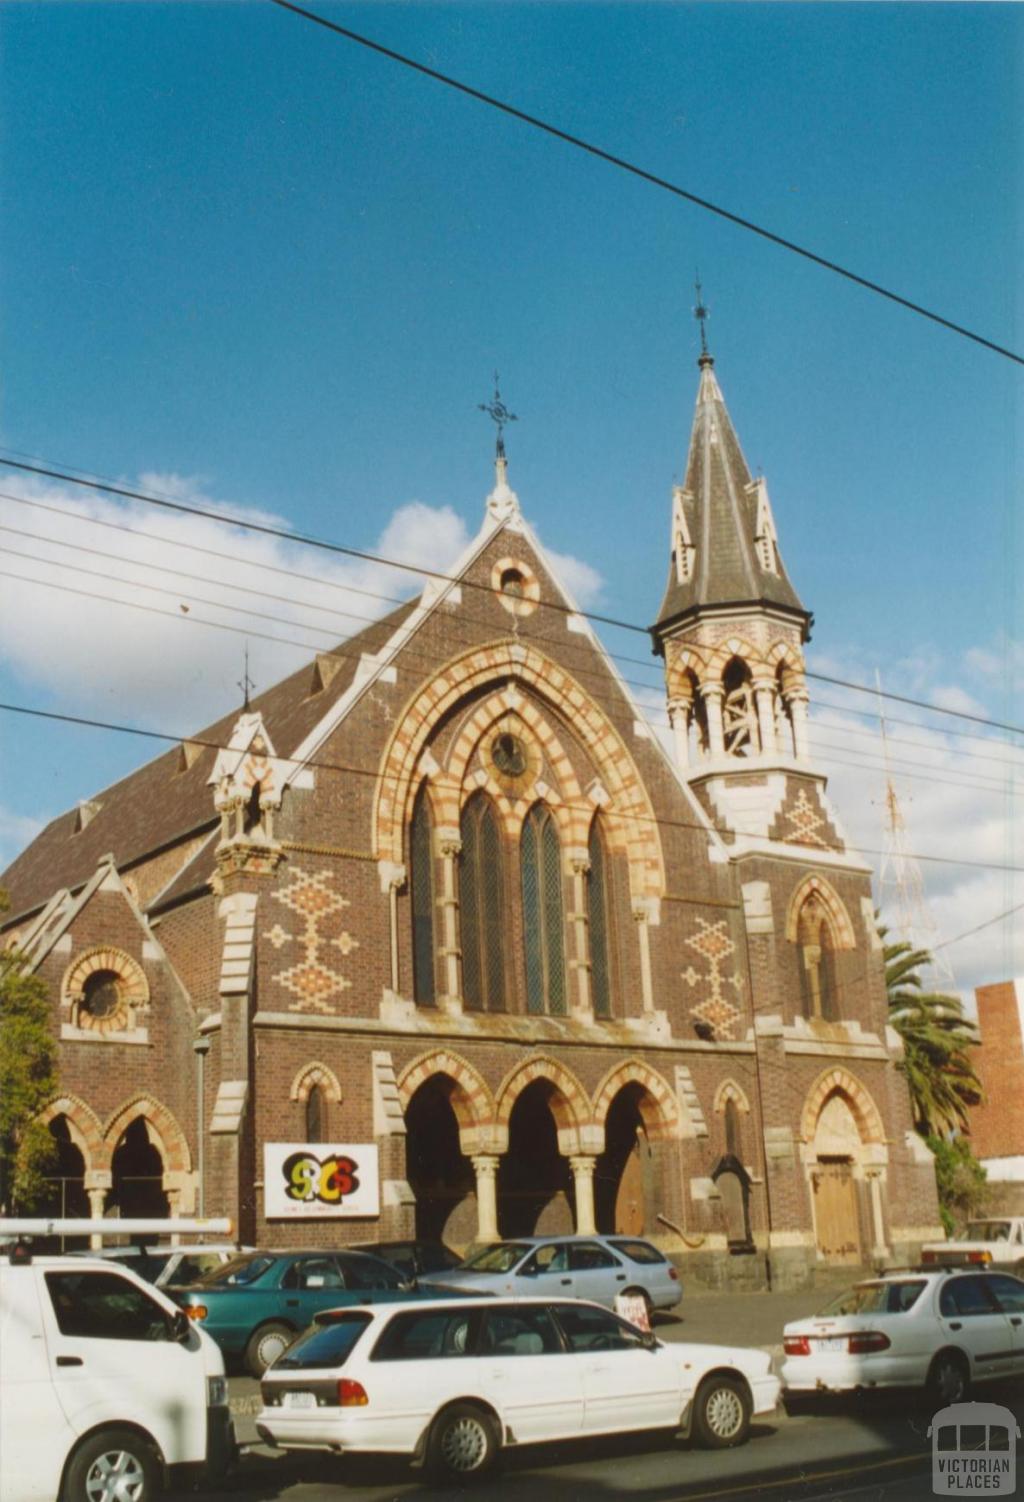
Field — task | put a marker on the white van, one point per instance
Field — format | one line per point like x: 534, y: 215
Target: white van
x: 106, y: 1388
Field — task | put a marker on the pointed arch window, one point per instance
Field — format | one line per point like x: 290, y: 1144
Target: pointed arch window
x: 733, y: 1136
x: 421, y: 860
x: 598, y: 925
x: 739, y: 714
x: 481, y: 907
x: 543, y: 925
x: 818, y: 989
x: 316, y: 1115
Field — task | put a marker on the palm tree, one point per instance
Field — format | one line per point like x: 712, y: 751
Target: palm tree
x: 936, y: 1037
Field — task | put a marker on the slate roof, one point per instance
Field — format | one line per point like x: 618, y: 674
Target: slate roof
x: 721, y: 514
x: 161, y: 803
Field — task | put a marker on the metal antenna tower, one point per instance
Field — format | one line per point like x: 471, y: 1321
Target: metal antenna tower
x: 900, y: 883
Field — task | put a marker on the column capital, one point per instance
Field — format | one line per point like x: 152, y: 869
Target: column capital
x: 449, y: 847
x: 583, y: 1165
x: 485, y: 1165
x: 715, y: 689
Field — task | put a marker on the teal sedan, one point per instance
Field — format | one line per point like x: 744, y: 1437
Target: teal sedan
x: 256, y: 1304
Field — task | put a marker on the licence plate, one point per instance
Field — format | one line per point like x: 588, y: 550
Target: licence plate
x: 830, y: 1343
x: 299, y: 1400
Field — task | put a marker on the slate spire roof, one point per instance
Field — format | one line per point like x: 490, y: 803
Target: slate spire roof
x: 724, y: 547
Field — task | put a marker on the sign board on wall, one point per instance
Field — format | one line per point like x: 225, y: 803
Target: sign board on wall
x: 314, y: 1181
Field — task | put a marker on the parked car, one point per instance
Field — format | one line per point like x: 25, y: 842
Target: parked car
x: 162, y: 1264
x: 941, y: 1329
x: 412, y: 1258
x: 106, y: 1390
x: 256, y: 1304
x: 584, y: 1267
x: 454, y: 1382
x: 999, y: 1241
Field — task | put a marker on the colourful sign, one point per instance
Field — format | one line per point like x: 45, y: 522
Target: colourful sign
x: 319, y: 1180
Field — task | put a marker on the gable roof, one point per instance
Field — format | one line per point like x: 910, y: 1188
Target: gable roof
x: 724, y: 512
x: 166, y: 800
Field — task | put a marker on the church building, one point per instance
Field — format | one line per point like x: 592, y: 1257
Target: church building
x: 437, y: 938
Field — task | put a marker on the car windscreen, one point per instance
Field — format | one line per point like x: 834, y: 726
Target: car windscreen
x: 637, y: 1251
x: 877, y: 1298
x: 500, y: 1258
x: 238, y: 1272
x: 987, y: 1230
x: 328, y: 1343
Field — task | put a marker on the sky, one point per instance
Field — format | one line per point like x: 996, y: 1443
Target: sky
x: 251, y: 265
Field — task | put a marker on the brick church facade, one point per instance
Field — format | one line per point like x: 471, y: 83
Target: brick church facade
x: 445, y: 894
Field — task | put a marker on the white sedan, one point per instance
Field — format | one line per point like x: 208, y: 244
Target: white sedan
x: 941, y: 1329
x: 453, y: 1381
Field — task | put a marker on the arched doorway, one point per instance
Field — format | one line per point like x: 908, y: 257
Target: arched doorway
x: 137, y: 1168
x: 535, y: 1188
x: 439, y: 1175
x: 622, y: 1178
x: 65, y: 1182
x: 836, y: 1149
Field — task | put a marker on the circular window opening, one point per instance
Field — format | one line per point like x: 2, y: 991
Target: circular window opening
x: 513, y: 583
x: 509, y: 754
x: 101, y: 993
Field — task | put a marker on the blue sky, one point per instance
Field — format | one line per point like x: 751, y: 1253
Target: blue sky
x: 252, y: 263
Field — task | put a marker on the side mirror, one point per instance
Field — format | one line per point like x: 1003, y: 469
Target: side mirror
x: 181, y: 1327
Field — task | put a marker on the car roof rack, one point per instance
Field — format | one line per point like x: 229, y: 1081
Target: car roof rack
x: 20, y: 1228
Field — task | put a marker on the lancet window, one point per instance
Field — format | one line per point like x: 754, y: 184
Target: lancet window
x: 543, y: 927
x: 598, y: 925
x: 481, y: 907
x: 817, y: 947
x: 316, y: 1115
x: 421, y: 860
x: 739, y: 711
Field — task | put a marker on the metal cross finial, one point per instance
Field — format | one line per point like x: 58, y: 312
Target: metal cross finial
x: 702, y: 313
x: 245, y: 683
x: 498, y: 413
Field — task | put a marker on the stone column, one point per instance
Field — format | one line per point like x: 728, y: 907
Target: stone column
x: 679, y: 719
x: 713, y: 694
x: 641, y: 916
x: 583, y: 1180
x: 449, y: 847
x: 798, y: 713
x: 97, y: 1185
x: 485, y: 1166
x: 879, y: 1249
x: 579, y: 865
x: 764, y: 697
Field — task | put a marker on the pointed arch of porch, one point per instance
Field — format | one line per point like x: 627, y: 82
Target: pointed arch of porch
x: 569, y: 1103
x: 729, y: 1090
x: 470, y: 1099
x: 814, y: 884
x: 658, y: 1107
x: 171, y: 1140
x: 839, y: 1081
x: 311, y: 1075
x: 84, y: 1128
x: 629, y: 803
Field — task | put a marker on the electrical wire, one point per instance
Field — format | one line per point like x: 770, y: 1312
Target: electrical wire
x: 372, y: 772
x: 970, y: 932
x: 649, y: 177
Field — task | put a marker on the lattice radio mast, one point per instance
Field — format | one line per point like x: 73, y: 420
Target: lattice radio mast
x: 900, y: 883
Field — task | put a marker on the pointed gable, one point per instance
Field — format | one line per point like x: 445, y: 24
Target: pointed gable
x: 724, y: 544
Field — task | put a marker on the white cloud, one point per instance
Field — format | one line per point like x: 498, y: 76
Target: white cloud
x: 16, y: 830
x: 583, y: 582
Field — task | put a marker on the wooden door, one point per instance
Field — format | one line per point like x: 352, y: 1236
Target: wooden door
x: 835, y: 1211
x: 629, y: 1200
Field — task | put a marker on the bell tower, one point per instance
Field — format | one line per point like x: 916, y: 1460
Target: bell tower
x: 731, y: 627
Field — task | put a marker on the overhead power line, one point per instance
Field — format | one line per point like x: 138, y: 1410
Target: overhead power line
x: 969, y: 933
x: 325, y: 545
x: 371, y: 772
x: 649, y: 177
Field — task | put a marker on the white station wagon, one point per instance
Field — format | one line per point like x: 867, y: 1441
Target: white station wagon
x: 453, y: 1382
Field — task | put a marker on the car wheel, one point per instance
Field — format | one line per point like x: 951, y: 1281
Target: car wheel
x: 721, y: 1413
x: 641, y: 1293
x: 463, y: 1444
x: 948, y: 1379
x: 115, y: 1465
x: 265, y: 1345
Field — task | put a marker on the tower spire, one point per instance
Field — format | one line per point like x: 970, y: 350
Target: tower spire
x: 502, y: 503
x: 702, y: 313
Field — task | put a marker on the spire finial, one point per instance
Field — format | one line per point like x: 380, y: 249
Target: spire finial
x: 499, y: 414
x: 702, y: 313
x: 245, y: 683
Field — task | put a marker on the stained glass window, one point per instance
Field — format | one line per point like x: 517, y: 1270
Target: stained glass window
x: 481, y: 908
x: 422, y: 862
x: 543, y: 927
x: 598, y: 928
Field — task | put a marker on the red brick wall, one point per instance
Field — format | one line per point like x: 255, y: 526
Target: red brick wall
x: 997, y: 1127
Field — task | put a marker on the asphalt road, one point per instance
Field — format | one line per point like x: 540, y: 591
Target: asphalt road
x: 872, y: 1449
